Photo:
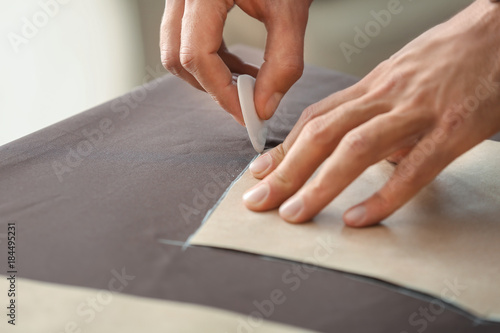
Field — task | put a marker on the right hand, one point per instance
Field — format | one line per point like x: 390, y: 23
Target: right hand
x: 193, y: 49
x: 432, y: 101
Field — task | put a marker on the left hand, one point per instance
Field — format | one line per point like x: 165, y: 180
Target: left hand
x: 193, y: 49
x: 429, y: 103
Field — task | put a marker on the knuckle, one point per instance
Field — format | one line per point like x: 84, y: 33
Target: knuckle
x: 316, y: 131
x: 309, y: 113
x: 376, y: 72
x: 387, y: 82
x: 385, y: 203
x: 390, y: 84
x: 171, y: 63
x: 278, y: 153
x: 282, y: 180
x: 356, y: 142
x: 292, y: 69
x: 319, y: 189
x: 188, y: 59
x: 422, y: 104
x: 413, y: 116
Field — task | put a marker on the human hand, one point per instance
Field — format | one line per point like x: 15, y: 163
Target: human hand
x: 426, y: 105
x: 193, y: 49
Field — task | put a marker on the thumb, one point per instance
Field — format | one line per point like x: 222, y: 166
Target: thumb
x: 283, y: 58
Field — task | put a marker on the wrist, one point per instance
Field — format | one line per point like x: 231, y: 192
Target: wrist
x: 484, y: 17
x: 491, y: 20
x: 488, y: 13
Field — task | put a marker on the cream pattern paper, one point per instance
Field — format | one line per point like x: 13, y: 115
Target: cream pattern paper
x: 52, y: 308
x: 444, y: 242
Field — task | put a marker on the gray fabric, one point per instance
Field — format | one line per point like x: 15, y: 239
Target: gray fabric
x: 172, y: 150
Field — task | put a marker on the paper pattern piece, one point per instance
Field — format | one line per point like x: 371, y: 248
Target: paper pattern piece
x: 445, y: 242
x: 45, y: 307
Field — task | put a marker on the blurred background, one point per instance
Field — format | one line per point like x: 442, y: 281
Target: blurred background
x: 61, y: 57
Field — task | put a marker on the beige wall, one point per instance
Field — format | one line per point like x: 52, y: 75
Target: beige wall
x: 90, y: 51
x: 63, y: 58
x: 331, y: 23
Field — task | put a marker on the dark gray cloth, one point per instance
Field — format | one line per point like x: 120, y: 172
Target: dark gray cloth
x: 124, y: 185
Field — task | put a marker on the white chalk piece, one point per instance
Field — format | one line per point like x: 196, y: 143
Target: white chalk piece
x: 256, y: 127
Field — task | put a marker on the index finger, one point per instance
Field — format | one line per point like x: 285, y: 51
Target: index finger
x: 360, y: 148
x: 283, y: 57
x: 201, y: 38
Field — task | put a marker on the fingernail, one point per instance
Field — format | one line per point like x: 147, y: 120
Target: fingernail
x: 272, y: 103
x: 257, y: 195
x: 261, y: 164
x: 291, y: 209
x: 356, y: 216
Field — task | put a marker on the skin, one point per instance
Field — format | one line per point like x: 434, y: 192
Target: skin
x: 429, y: 103
x: 193, y: 49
